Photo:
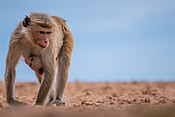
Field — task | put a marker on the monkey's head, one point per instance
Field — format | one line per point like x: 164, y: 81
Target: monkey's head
x: 39, y: 29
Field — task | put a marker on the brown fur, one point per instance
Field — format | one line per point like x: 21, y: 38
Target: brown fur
x: 56, y: 55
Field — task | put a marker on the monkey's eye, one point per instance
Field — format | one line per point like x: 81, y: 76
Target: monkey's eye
x: 41, y: 32
x: 49, y: 32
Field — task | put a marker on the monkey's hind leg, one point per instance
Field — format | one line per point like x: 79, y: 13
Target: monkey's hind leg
x: 62, y: 72
x: 63, y: 60
x: 52, y: 97
x: 59, y: 83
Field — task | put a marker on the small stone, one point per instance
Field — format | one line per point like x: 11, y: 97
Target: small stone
x: 111, y: 103
x: 129, y: 102
x: 147, y: 100
x: 154, y: 94
x: 88, y: 93
x: 86, y: 103
x: 173, y: 101
x: 163, y: 101
x: 134, y: 100
x: 96, y: 104
x: 76, y: 105
x: 1, y: 105
x: 100, y: 101
x: 114, y: 94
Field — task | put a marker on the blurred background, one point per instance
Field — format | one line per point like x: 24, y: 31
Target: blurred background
x: 115, y: 40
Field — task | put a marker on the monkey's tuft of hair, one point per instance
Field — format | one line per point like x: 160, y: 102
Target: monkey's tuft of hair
x: 26, y: 21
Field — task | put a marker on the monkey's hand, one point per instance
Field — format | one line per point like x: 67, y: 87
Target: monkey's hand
x: 34, y: 63
x: 58, y: 103
x: 16, y: 103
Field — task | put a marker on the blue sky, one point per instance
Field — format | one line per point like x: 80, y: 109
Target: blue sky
x: 114, y: 40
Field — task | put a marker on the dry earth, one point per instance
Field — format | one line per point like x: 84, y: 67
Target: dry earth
x: 103, y: 99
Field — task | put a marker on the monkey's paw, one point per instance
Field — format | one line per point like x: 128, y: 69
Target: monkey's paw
x: 16, y: 103
x: 58, y: 103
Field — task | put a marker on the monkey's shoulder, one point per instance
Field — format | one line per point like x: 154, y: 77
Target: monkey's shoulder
x: 19, y: 32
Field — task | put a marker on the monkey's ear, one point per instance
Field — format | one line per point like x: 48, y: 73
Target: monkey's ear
x: 26, y: 21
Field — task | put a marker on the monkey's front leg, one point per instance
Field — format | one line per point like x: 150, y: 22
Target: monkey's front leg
x: 46, y: 83
x: 9, y: 83
x: 10, y: 75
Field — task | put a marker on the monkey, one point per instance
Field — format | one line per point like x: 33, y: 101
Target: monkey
x: 34, y: 62
x: 46, y: 43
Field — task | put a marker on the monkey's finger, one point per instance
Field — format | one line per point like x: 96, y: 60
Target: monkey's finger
x: 31, y: 59
x: 27, y: 61
x: 30, y: 64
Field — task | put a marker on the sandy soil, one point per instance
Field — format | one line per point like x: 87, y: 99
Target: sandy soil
x: 113, y: 97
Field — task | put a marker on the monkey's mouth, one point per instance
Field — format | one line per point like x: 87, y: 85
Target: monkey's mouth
x: 43, y: 47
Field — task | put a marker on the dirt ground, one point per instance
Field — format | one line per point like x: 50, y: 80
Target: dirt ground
x: 108, y: 98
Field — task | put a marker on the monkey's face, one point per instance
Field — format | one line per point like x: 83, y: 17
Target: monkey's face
x: 42, y: 37
x: 39, y: 30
